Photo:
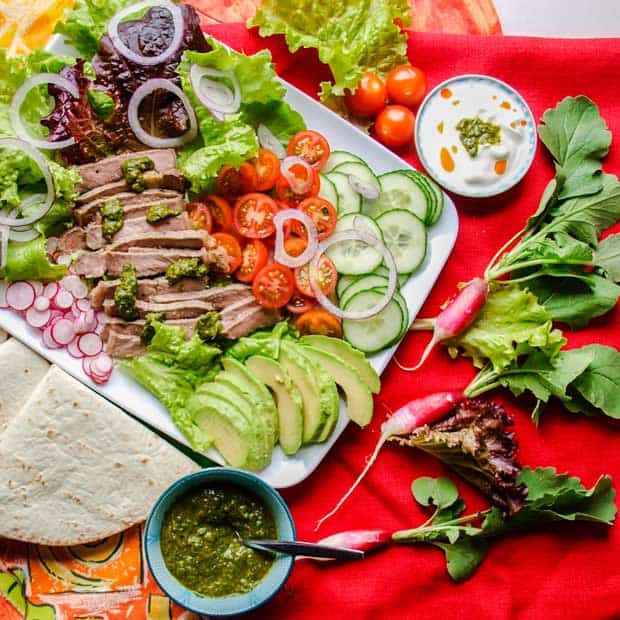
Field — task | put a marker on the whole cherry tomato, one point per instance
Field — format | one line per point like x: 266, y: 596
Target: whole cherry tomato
x: 394, y: 126
x: 369, y: 96
x: 406, y: 85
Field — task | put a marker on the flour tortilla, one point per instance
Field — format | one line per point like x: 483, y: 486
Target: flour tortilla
x: 74, y: 468
x: 3, y: 335
x: 20, y: 371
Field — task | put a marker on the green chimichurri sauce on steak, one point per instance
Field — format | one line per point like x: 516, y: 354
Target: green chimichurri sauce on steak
x: 201, y: 540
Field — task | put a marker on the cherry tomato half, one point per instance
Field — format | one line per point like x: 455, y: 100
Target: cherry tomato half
x: 232, y: 247
x: 267, y: 167
x: 220, y: 211
x: 294, y: 246
x: 289, y: 198
x: 326, y: 278
x: 369, y: 96
x: 311, y: 146
x: 253, y: 216
x: 253, y: 258
x: 232, y: 182
x: 323, y: 214
x: 406, y: 85
x: 200, y: 215
x: 300, y: 303
x: 394, y: 126
x: 318, y: 321
x: 273, y: 286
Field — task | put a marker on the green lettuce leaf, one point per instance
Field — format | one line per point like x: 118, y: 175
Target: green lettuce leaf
x: 578, y: 138
x: 234, y: 140
x: 350, y: 36
x: 28, y: 261
x: 86, y: 22
x: 512, y: 323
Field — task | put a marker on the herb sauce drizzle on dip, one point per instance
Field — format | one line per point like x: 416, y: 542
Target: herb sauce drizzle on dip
x: 201, y: 540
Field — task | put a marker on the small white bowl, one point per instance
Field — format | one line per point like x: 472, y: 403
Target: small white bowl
x: 428, y: 138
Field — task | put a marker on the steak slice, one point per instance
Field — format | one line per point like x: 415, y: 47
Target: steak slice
x: 243, y: 318
x: 176, y: 310
x: 72, y: 241
x: 103, y: 191
x: 172, y: 180
x: 121, y: 346
x: 192, y: 239
x: 135, y: 227
x: 90, y: 211
x: 134, y: 328
x: 109, y: 170
x: 219, y: 296
x: 148, y: 262
x: 146, y: 288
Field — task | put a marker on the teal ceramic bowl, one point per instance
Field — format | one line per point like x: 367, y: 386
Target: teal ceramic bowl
x: 227, y: 605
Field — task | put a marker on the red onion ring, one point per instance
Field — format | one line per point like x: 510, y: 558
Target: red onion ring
x: 23, y: 234
x: 215, y: 96
x: 22, y: 145
x: 268, y: 141
x: 177, y: 36
x: 298, y: 186
x: 19, y: 98
x: 134, y: 121
x: 280, y: 254
x: 370, y: 239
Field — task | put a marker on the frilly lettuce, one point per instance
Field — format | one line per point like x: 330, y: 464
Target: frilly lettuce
x: 28, y: 261
x: 234, y: 141
x: 351, y: 36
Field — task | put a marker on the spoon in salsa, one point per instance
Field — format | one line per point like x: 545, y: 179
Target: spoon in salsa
x: 305, y: 549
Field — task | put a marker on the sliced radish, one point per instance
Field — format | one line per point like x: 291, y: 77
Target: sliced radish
x: 51, y: 289
x: 102, y: 365
x: 90, y: 344
x: 37, y: 286
x: 86, y: 362
x: 80, y: 291
x: 73, y: 350
x: 55, y: 315
x: 64, y: 259
x: 63, y: 300
x: 84, y: 305
x: 20, y: 295
x: 75, y: 286
x: 3, y: 304
x: 51, y: 245
x: 62, y: 332
x: 41, y: 304
x: 37, y: 318
x: 48, y: 341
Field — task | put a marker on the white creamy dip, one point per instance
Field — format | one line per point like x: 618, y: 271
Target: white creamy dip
x: 495, y: 167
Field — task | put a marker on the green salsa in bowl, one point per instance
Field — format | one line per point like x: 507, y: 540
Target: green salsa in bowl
x: 193, y: 541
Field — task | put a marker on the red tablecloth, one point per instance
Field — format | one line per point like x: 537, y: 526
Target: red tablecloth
x: 572, y: 572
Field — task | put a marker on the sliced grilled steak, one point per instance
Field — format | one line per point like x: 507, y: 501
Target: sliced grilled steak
x: 72, y: 241
x: 152, y: 179
x: 130, y: 201
x: 135, y: 227
x: 146, y: 261
x: 123, y: 345
x: 134, y: 328
x: 109, y: 170
x: 192, y: 239
x: 219, y: 296
x: 243, y: 318
x: 176, y: 310
x: 147, y: 289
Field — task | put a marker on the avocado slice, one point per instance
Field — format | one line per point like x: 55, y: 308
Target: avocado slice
x: 344, y: 351
x: 329, y: 403
x: 257, y: 393
x: 232, y: 435
x: 288, y: 400
x: 231, y: 397
x: 358, y: 396
x: 301, y: 372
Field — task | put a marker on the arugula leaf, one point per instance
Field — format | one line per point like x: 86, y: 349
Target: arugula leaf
x: 234, y: 140
x: 511, y: 324
x: 607, y: 256
x: 578, y: 138
x: 86, y: 22
x: 441, y: 492
x: 350, y: 36
x: 464, y: 556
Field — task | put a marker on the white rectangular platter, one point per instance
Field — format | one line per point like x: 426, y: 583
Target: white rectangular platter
x: 284, y: 471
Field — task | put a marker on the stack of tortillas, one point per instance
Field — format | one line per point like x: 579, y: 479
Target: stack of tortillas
x: 74, y: 468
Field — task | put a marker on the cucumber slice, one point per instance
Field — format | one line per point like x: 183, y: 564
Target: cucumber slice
x: 398, y: 191
x: 340, y: 157
x: 328, y: 191
x: 377, y: 332
x: 439, y: 195
x: 405, y: 236
x: 349, y: 201
x: 402, y: 279
x: 343, y: 283
x: 382, y: 270
x: 423, y: 182
x: 400, y: 300
x: 355, y: 257
x: 364, y: 283
x: 362, y: 172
